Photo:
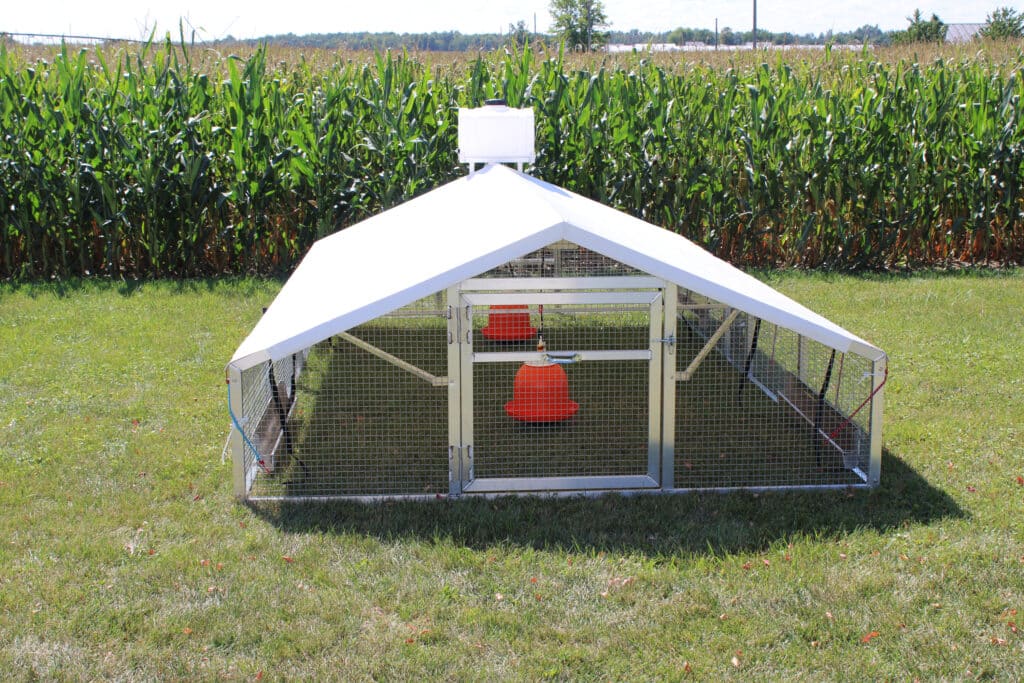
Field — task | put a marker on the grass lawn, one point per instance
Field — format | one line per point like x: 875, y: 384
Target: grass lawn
x: 123, y: 554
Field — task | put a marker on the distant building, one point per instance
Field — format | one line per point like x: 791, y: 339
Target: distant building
x: 962, y: 33
x: 645, y: 47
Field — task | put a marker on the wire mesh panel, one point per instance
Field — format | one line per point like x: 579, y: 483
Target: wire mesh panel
x: 759, y: 405
x: 639, y: 384
x: 580, y: 409
x: 369, y: 416
x: 562, y: 259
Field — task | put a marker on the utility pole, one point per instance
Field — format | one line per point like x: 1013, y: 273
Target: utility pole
x: 755, y: 24
x: 716, y: 33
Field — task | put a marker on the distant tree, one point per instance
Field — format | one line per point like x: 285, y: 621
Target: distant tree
x: 727, y: 37
x: 518, y: 34
x: 579, y: 23
x: 1003, y: 24
x: 921, y: 31
x: 868, y: 34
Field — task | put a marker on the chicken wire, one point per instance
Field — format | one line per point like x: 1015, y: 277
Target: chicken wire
x: 608, y: 435
x: 364, y: 426
x: 415, y: 403
x: 767, y: 407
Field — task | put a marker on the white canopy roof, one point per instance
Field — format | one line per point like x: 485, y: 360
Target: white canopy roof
x: 479, y: 222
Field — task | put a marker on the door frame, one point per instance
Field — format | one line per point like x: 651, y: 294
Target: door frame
x: 660, y: 298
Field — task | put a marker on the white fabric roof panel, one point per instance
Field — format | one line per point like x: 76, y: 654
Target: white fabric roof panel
x: 479, y: 222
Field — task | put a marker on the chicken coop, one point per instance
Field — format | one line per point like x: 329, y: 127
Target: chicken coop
x: 501, y: 335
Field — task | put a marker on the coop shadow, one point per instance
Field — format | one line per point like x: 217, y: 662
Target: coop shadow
x: 709, y: 523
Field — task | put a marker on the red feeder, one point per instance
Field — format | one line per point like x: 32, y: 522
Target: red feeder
x: 541, y: 394
x: 509, y: 323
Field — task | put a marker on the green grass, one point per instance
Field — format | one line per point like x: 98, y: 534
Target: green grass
x: 124, y: 555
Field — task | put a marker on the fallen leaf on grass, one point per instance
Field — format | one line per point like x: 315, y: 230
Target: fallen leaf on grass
x: 736, y: 660
x: 996, y: 640
x: 1020, y: 481
x: 870, y: 636
x: 687, y: 668
x: 971, y: 489
x: 187, y: 631
x: 288, y: 558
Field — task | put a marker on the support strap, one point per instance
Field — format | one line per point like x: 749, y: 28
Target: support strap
x: 819, y: 413
x: 750, y: 358
x: 250, y: 444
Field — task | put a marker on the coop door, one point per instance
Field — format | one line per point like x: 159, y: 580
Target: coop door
x: 582, y: 413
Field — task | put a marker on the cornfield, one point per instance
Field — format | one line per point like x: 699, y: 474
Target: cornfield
x: 169, y: 160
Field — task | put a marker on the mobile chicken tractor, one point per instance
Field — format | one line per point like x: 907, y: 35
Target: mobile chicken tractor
x: 501, y: 335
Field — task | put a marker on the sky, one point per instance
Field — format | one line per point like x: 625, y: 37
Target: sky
x: 214, y: 19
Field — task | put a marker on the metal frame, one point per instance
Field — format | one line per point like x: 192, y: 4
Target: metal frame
x: 663, y: 309
x: 647, y: 291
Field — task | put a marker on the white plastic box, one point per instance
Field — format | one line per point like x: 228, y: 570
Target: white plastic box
x: 496, y: 134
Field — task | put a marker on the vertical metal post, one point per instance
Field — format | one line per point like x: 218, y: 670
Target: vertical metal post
x: 464, y: 313
x: 656, y: 346
x: 454, y: 394
x: 878, y: 369
x: 668, y: 387
x: 755, y: 24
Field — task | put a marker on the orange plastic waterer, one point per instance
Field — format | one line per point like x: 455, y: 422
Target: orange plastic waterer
x: 509, y: 323
x: 540, y: 393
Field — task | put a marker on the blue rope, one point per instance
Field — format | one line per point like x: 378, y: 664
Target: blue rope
x: 238, y: 426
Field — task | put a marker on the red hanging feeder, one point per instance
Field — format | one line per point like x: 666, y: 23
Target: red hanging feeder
x: 540, y: 393
x: 509, y: 323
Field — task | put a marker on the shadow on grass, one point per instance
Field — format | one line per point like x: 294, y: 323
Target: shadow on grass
x: 656, y: 525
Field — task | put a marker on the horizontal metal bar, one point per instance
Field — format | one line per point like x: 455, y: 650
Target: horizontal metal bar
x: 553, y: 493
x: 700, y: 307
x: 769, y: 489
x: 495, y: 485
x: 533, y: 284
x: 686, y: 374
x: 760, y: 385
x: 540, y: 356
x: 378, y: 498
x: 808, y: 420
x: 430, y: 379
x: 546, y: 298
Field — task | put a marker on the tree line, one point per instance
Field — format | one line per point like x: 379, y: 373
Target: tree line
x: 584, y: 25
